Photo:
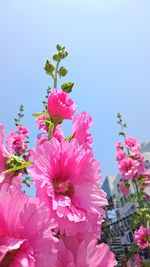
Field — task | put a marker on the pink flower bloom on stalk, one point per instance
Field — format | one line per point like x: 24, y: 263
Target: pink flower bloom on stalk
x: 132, y: 144
x: 141, y: 237
x: 40, y: 121
x: 57, y: 133
x: 4, y: 156
x: 71, y: 253
x: 119, y: 146
x: 120, y: 155
x: 127, y: 168
x: 60, y: 106
x: 81, y: 124
x: 22, y: 130
x: 67, y: 178
x: 25, y: 231
x: 137, y: 260
x: 16, y: 143
x: 125, y: 190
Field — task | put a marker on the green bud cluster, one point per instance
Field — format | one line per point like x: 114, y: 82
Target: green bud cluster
x: 54, y: 70
x: 122, y: 124
x: 20, y: 115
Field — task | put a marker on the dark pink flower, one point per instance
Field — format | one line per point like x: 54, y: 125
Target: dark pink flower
x: 22, y: 130
x: 125, y: 190
x: 137, y: 260
x: 128, y: 168
x: 132, y: 144
x: 60, y: 106
x: 141, y: 237
x: 16, y: 143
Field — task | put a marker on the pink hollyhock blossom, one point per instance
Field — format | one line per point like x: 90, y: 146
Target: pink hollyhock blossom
x: 60, y: 106
x: 141, y: 237
x: 120, y: 155
x: 68, y: 179
x: 27, y: 156
x: 40, y: 121
x: 16, y: 143
x: 85, y: 230
x: 125, y: 190
x: 57, y: 133
x: 128, y: 168
x: 71, y: 253
x: 25, y: 231
x: 22, y: 130
x: 119, y: 146
x: 132, y: 144
x: 137, y: 260
x: 4, y: 156
x: 81, y: 124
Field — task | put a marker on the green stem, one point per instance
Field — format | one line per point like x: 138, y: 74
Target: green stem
x: 56, y: 70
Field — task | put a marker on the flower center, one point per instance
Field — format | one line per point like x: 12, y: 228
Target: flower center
x: 8, y: 258
x: 62, y: 187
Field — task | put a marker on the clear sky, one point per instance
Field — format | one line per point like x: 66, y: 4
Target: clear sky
x: 109, y: 61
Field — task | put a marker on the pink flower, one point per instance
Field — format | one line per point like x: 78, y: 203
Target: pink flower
x: 132, y: 144
x: 40, y: 121
x: 16, y: 143
x: 68, y: 179
x: 22, y: 130
x: 125, y: 190
x: 120, y: 155
x: 60, y: 106
x: 137, y: 260
x: 81, y: 124
x: 25, y: 228
x: 72, y: 253
x: 4, y: 157
x: 119, y: 146
x: 141, y: 237
x: 58, y: 133
x: 128, y: 168
x: 27, y: 156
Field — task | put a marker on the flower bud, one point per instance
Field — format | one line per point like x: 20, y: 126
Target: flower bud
x: 67, y: 87
x: 56, y: 57
x: 62, y: 71
x: 62, y: 54
x: 59, y: 47
x: 49, y: 67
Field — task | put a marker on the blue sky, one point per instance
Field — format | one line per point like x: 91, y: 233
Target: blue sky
x: 109, y: 61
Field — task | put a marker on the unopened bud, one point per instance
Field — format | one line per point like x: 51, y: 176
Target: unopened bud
x: 62, y: 71
x: 67, y: 87
x: 49, y: 67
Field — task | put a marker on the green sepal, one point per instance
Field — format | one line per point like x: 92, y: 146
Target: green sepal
x: 38, y: 114
x: 21, y: 167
